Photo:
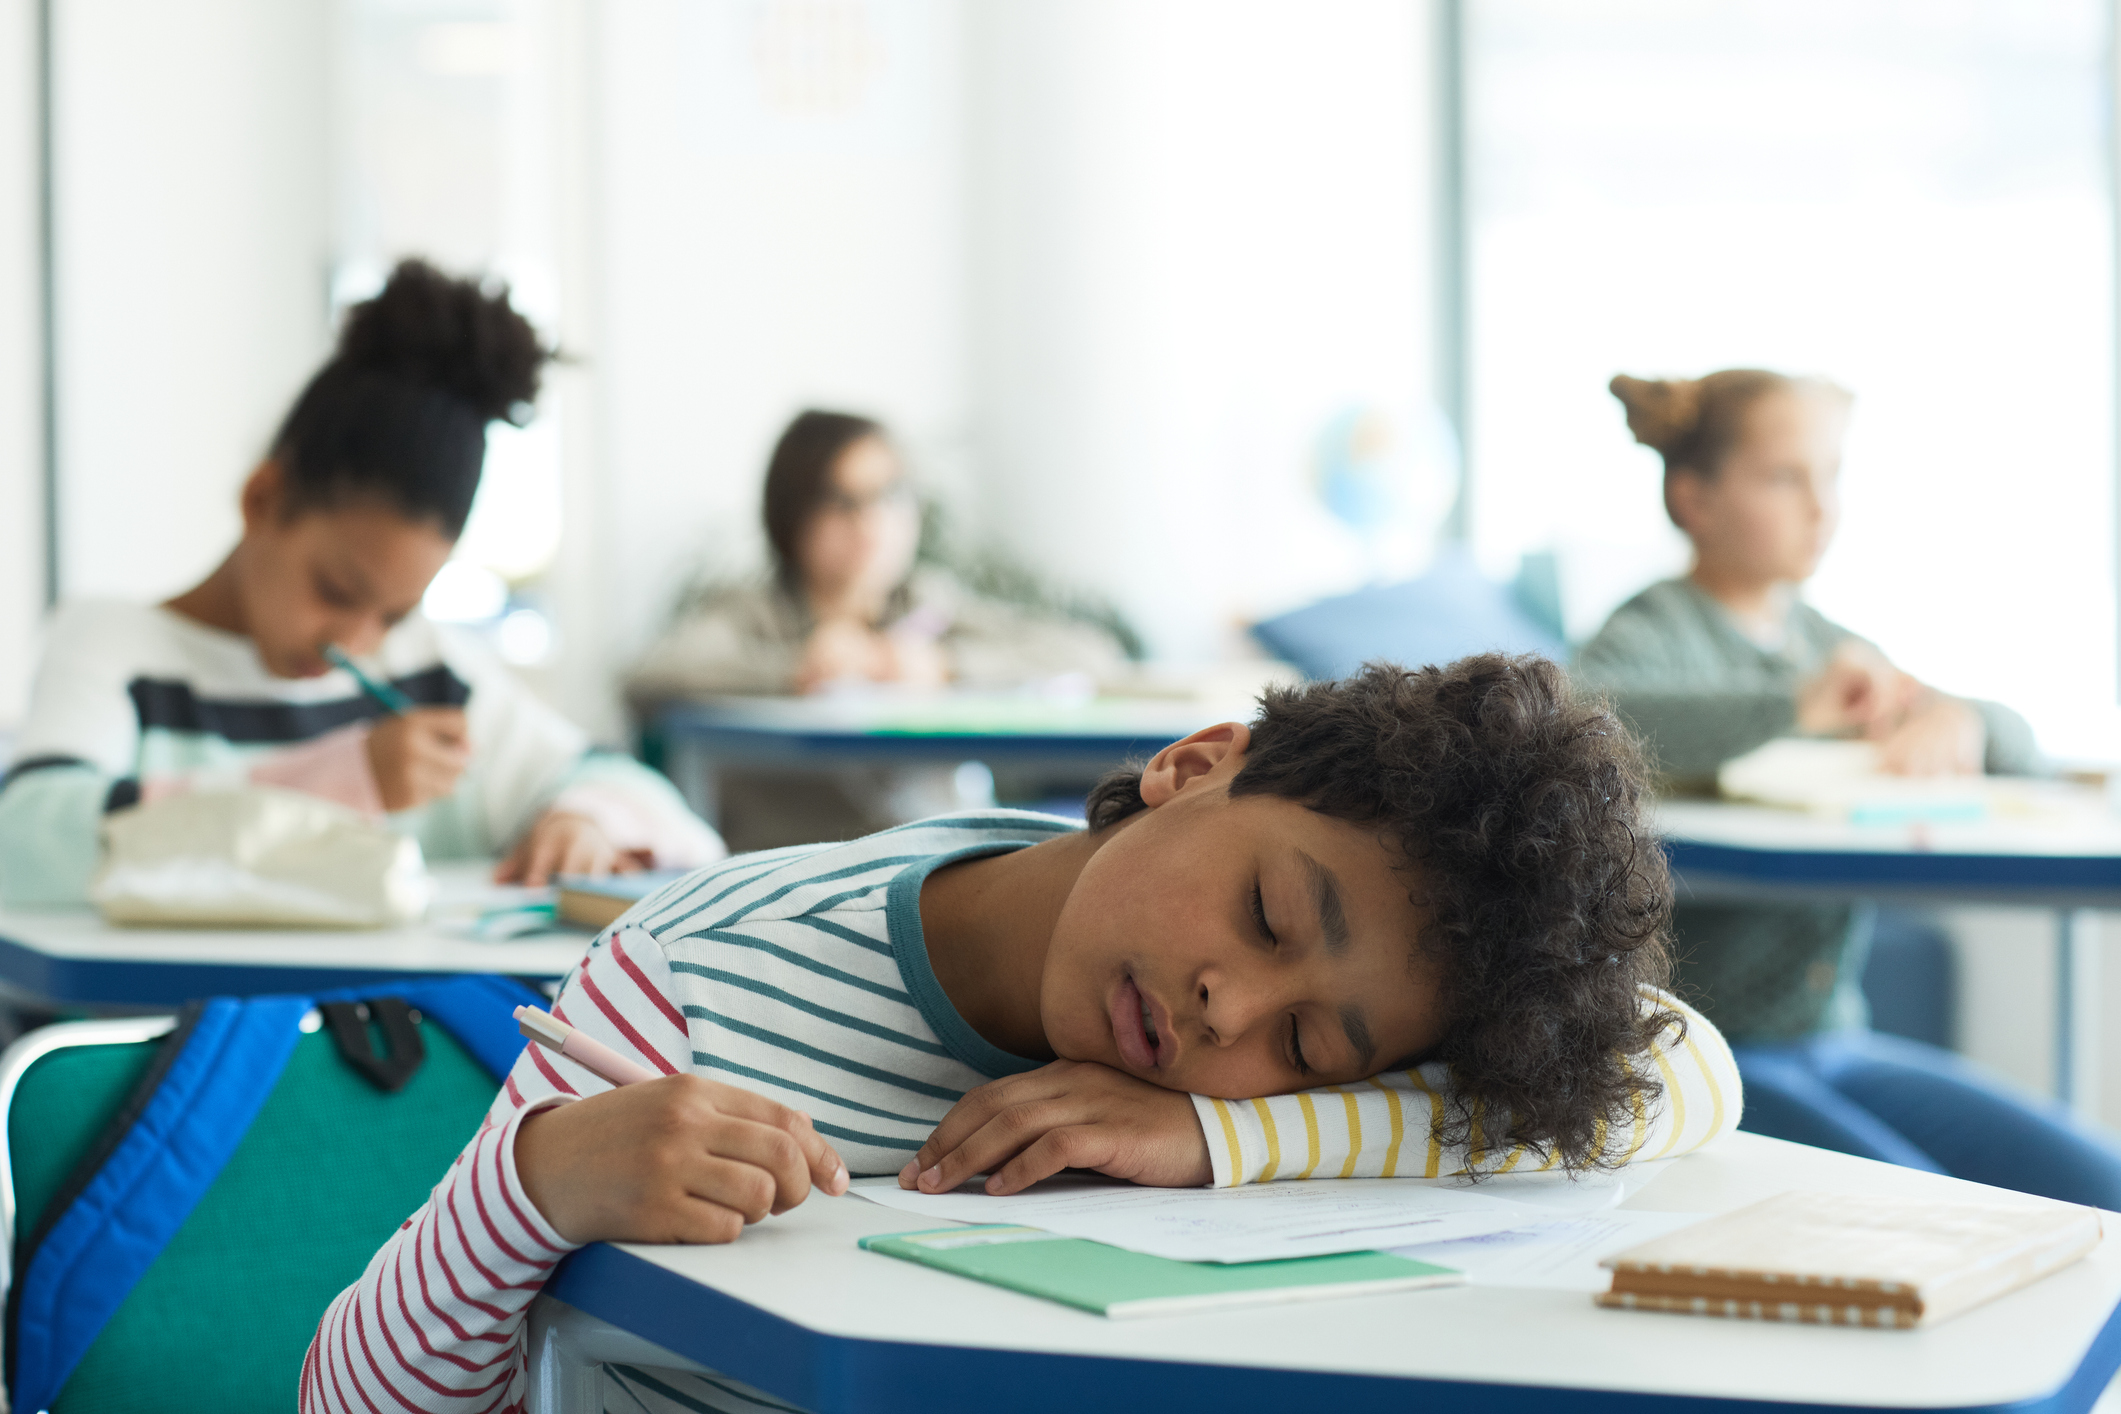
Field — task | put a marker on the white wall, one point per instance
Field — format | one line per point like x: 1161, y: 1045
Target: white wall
x: 21, y: 375
x: 1201, y: 228
x: 780, y: 227
x: 192, y: 211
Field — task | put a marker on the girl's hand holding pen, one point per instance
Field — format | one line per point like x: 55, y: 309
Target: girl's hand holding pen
x: 417, y: 757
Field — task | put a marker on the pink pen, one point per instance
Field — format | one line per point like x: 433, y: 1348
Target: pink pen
x: 547, y: 1030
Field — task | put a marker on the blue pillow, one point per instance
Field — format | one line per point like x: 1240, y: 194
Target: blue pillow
x: 1447, y: 613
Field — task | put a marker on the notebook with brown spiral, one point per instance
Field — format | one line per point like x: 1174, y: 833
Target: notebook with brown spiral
x: 1841, y: 1259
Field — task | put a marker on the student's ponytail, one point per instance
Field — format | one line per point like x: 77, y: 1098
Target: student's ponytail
x: 1663, y: 413
x: 399, y: 414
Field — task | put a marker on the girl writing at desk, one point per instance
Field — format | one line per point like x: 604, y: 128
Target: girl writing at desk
x: 356, y: 506
x: 1711, y: 665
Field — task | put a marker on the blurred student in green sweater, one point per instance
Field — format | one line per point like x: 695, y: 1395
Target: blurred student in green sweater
x: 1711, y: 665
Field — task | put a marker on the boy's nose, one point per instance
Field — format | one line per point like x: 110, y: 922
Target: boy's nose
x: 1230, y: 1003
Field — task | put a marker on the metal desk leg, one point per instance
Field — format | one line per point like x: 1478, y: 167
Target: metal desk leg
x: 2077, y: 1019
x: 566, y: 1347
x: 692, y: 771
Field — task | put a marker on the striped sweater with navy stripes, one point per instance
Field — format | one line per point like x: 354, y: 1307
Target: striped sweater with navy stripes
x: 802, y: 974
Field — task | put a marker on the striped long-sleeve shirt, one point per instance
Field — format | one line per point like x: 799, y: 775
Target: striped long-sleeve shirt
x: 802, y: 974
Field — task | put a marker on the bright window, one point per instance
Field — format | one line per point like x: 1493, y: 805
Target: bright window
x: 1911, y: 197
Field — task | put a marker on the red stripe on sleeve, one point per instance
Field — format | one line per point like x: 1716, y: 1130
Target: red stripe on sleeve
x: 419, y: 1330
x: 625, y: 1027
x: 449, y: 1273
x: 361, y: 1333
x: 663, y: 1004
x: 500, y: 1181
x: 537, y: 1058
x: 463, y: 1229
x: 397, y: 1351
x: 493, y: 1231
x: 353, y: 1374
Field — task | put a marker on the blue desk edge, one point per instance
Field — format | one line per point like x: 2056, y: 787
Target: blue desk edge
x: 851, y: 1375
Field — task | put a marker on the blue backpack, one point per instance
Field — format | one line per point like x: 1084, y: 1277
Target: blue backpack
x: 233, y: 1175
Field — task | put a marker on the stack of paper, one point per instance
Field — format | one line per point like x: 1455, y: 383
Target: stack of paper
x: 1264, y: 1222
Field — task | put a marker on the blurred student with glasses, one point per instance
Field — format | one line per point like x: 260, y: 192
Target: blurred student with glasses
x: 849, y: 605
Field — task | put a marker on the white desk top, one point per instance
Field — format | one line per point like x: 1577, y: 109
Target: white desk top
x: 79, y: 935
x: 954, y: 714
x: 2076, y: 835
x: 804, y: 1266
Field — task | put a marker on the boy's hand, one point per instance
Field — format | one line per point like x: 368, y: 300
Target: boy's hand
x: 1856, y: 689
x: 1070, y: 1114
x: 1941, y: 737
x: 680, y: 1159
x: 561, y: 842
x: 417, y: 757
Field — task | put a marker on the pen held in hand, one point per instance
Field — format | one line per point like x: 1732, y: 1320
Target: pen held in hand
x: 547, y: 1030
x: 386, y: 695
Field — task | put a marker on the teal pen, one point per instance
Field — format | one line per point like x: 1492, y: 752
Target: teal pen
x: 393, y: 701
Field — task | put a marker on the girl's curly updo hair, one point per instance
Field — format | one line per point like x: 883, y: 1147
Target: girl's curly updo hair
x: 399, y: 414
x: 1516, y: 808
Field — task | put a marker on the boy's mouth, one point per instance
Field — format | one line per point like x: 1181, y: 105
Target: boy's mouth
x: 1140, y: 1028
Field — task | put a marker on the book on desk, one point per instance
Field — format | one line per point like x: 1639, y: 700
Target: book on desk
x: 1119, y: 1284
x: 1840, y: 1259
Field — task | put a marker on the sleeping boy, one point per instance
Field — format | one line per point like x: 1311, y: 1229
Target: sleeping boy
x: 1412, y: 922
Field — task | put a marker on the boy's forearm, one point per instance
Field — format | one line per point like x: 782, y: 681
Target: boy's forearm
x: 436, y: 1321
x: 437, y: 1318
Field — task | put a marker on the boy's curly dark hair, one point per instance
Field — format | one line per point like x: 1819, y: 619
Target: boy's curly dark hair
x: 1517, y: 807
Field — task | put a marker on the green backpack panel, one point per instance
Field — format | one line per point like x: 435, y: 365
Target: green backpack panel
x: 220, y: 1322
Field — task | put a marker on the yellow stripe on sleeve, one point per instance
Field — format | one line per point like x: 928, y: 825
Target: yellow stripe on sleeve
x: 1641, y: 1136
x: 1715, y: 1090
x: 1303, y: 1102
x: 1347, y: 1169
x: 1237, y: 1152
x: 1266, y: 1123
x: 1399, y: 1128
x: 1435, y: 1166
x: 1678, y: 1100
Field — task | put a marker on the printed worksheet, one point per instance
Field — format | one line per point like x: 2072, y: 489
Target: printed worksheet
x: 1555, y: 1256
x: 1261, y: 1222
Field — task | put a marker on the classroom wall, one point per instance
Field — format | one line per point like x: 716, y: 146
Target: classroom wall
x: 21, y: 378
x: 780, y: 226
x: 192, y: 231
x: 1149, y: 405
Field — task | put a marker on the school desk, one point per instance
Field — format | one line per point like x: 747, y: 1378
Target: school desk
x: 1036, y: 736
x: 53, y: 959
x: 795, y: 1308
x: 1734, y: 852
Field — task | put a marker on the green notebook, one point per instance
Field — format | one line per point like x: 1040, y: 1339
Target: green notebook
x: 1115, y: 1282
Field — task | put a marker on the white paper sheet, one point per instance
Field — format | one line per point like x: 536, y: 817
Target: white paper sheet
x: 1589, y: 1192
x: 1555, y: 1256
x: 1251, y: 1224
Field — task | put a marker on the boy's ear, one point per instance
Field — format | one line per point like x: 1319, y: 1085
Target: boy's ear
x: 1193, y: 759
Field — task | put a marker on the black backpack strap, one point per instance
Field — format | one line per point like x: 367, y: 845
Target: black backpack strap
x: 400, y: 1024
